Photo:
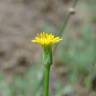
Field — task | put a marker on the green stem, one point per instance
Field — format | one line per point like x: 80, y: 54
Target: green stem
x: 46, y: 81
x: 47, y: 63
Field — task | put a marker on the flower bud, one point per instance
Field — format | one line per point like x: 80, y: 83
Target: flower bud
x: 72, y: 11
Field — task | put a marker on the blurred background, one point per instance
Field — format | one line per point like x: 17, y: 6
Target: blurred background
x: 74, y: 70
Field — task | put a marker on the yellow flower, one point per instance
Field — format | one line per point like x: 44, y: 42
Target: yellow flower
x: 46, y: 39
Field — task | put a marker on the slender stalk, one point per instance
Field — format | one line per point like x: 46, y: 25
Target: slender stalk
x: 46, y: 81
x: 67, y: 17
x: 47, y: 60
x: 64, y: 25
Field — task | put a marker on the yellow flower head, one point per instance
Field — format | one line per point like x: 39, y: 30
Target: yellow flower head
x: 46, y: 39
